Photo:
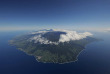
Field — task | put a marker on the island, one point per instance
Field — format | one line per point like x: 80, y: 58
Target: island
x: 53, y: 46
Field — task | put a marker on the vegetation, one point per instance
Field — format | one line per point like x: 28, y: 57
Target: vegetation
x: 61, y: 53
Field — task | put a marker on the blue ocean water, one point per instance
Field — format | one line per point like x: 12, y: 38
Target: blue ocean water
x: 95, y: 59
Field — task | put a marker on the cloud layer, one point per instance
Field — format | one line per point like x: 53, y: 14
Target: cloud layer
x: 70, y: 35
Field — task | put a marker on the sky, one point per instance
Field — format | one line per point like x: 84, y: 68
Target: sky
x: 58, y: 14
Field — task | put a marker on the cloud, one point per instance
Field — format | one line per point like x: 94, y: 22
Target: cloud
x: 41, y: 40
x: 70, y: 35
x: 73, y: 35
x: 107, y: 30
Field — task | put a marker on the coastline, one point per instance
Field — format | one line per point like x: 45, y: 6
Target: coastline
x: 76, y: 59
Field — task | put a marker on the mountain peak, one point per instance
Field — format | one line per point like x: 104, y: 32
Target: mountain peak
x: 55, y: 36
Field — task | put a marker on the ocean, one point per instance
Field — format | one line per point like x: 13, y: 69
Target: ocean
x: 94, y: 59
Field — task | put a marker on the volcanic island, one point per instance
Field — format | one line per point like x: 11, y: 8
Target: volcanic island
x: 53, y: 45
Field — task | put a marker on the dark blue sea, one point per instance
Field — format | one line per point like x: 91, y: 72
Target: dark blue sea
x: 95, y: 59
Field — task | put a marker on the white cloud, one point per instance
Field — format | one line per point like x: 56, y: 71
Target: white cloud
x: 107, y: 30
x: 73, y: 35
x: 70, y: 35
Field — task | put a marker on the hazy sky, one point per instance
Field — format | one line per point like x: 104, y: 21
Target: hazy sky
x: 68, y: 14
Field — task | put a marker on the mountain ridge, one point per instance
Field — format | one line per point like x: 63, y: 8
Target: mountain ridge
x: 52, y: 51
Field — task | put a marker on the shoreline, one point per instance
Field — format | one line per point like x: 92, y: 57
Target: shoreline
x: 49, y: 62
x: 76, y: 59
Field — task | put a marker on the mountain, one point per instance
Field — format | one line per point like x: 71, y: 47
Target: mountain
x: 53, y: 46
